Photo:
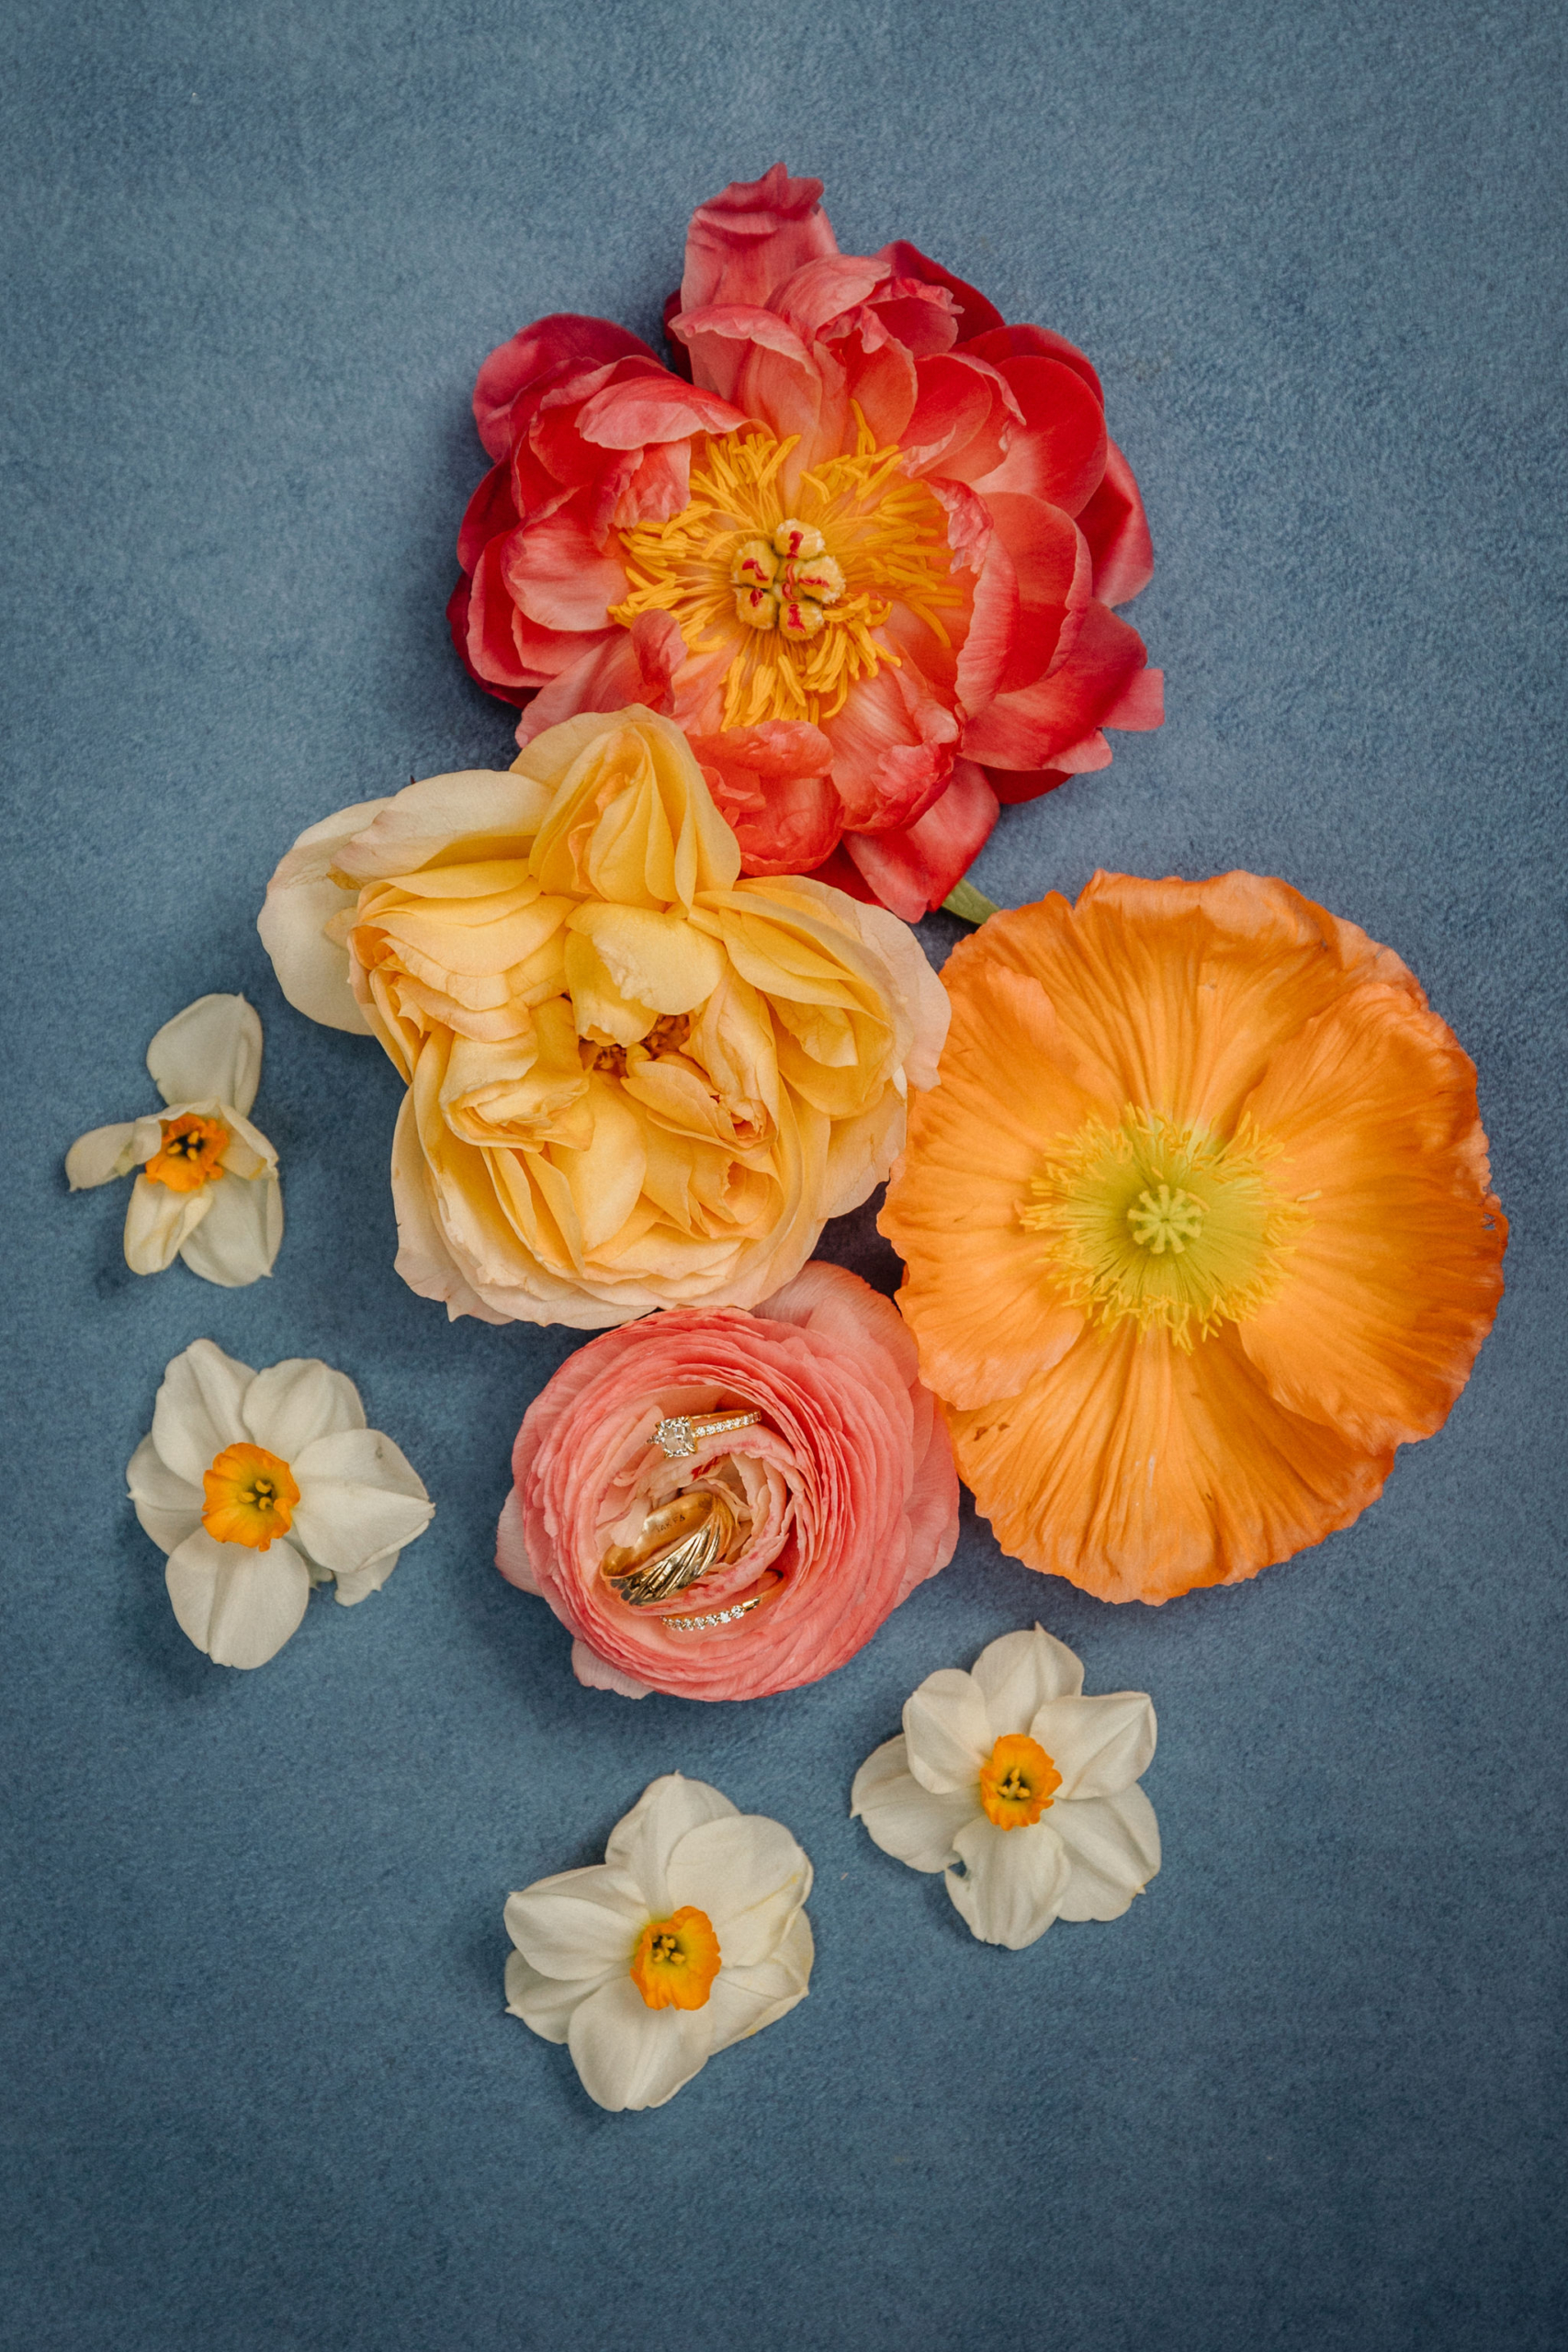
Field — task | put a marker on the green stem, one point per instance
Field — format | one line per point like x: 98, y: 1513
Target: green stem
x: 969, y: 904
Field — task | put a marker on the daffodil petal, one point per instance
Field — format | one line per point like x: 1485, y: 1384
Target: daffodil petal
x: 1099, y: 1745
x: 239, y: 1238
x: 352, y: 1586
x: 199, y: 1409
x: 238, y: 1605
x: 748, y: 1875
x: 911, y: 1823
x: 579, y: 1923
x: 359, y: 1498
x: 744, y: 2000
x: 1020, y: 1672
x: 213, y: 1047
x: 101, y: 1155
x: 168, y: 1507
x: 159, y: 1222
x: 949, y: 1730
x: 628, y: 2055
x: 1113, y: 1846
x: 290, y: 1403
x: 545, y: 2004
x: 643, y: 1840
x: 1013, y: 1881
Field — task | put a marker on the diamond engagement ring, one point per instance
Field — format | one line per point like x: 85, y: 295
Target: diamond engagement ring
x: 681, y: 1433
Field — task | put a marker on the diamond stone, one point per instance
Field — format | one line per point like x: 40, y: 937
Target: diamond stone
x: 675, y: 1436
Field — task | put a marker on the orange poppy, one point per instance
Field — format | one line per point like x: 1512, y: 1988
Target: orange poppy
x: 1198, y: 1227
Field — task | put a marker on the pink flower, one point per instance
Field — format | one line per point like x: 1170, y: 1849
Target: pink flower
x: 865, y: 557
x: 841, y: 1496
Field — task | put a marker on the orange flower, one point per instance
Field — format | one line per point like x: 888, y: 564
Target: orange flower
x: 1198, y: 1227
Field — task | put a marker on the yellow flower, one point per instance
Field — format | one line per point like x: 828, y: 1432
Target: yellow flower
x: 634, y: 1080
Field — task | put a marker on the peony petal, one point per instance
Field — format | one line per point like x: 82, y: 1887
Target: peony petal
x: 1112, y: 1846
x: 744, y: 2000
x: 301, y: 1398
x: 545, y: 2004
x: 198, y: 1411
x: 908, y: 1821
x: 1099, y: 1745
x: 745, y: 241
x: 168, y: 1507
x: 213, y: 1047
x: 949, y: 1731
x: 359, y: 1499
x: 579, y: 1923
x: 747, y: 1873
x: 643, y: 1840
x: 239, y: 1238
x: 1117, y: 529
x: 301, y: 901
x: 1013, y: 1881
x: 1020, y: 1673
x: 158, y: 1222
x: 628, y: 2055
x: 912, y: 867
x: 98, y: 1157
x: 550, y: 350
x: 238, y: 1605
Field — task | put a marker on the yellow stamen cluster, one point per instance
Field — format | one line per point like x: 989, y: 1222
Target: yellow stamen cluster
x: 1169, y: 1224
x: 797, y: 598
x: 1017, y: 1782
x: 191, y: 1152
x: 676, y: 1960
x: 250, y: 1497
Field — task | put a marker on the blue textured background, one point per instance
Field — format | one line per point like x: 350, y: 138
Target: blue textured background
x: 261, y: 2092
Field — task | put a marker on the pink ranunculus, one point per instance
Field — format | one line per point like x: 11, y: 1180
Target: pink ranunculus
x: 864, y: 548
x: 843, y: 1494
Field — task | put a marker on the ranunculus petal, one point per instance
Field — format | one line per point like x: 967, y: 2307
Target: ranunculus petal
x: 290, y: 1403
x: 579, y: 1923
x: 910, y: 1822
x: 359, y: 1498
x: 643, y: 1840
x: 744, y: 2000
x: 628, y: 2055
x: 239, y: 1238
x: 98, y: 1157
x: 213, y: 1047
x: 544, y: 2003
x: 1013, y: 1881
x: 949, y: 1731
x: 168, y: 1507
x: 1112, y: 1846
x: 158, y: 1222
x: 238, y: 1605
x: 1099, y: 1745
x: 748, y: 1875
x: 200, y: 1410
x: 1020, y: 1673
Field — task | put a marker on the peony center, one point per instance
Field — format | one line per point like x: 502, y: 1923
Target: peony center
x: 792, y: 580
x: 251, y: 1496
x: 1170, y: 1224
x: 676, y: 1960
x: 191, y: 1152
x: 1017, y: 1782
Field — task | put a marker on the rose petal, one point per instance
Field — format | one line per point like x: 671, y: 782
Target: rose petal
x: 238, y: 1605
x: 910, y: 1822
x: 1013, y: 1883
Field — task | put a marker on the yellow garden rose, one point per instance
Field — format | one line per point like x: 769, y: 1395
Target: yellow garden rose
x: 634, y: 1080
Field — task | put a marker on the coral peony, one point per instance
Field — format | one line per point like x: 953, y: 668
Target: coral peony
x: 634, y: 1081
x: 1199, y: 1227
x: 841, y: 1494
x: 865, y: 557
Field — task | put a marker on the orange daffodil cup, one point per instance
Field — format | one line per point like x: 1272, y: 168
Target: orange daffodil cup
x: 862, y: 548
x: 635, y: 1079
x: 1198, y: 1227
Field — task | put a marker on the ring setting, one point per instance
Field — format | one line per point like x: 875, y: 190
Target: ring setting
x: 680, y: 1434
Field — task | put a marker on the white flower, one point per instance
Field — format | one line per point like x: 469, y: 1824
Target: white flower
x: 1013, y: 1773
x: 688, y: 1936
x: 259, y: 1484
x: 208, y: 1192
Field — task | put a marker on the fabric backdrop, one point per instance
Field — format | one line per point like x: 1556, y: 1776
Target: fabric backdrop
x: 260, y: 2091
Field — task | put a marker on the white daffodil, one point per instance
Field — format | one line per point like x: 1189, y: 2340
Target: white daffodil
x: 688, y: 1936
x: 1011, y: 1772
x: 208, y: 1190
x: 259, y: 1484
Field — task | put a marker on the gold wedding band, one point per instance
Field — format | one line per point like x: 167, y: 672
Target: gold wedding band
x: 678, y: 1543
x: 681, y: 1433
